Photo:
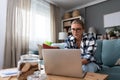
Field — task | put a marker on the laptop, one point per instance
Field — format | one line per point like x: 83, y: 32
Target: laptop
x: 63, y: 62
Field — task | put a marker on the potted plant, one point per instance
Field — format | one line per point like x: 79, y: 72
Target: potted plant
x: 112, y: 34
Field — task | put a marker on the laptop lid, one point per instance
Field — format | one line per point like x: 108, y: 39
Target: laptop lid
x: 64, y: 62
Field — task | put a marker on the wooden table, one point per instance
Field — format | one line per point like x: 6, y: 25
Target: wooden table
x: 89, y: 76
x: 52, y: 77
x: 9, y: 78
x: 95, y: 76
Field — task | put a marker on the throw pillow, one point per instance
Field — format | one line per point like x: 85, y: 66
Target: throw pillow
x: 60, y: 45
x: 118, y: 62
x: 40, y: 51
x: 48, y: 43
x: 49, y: 47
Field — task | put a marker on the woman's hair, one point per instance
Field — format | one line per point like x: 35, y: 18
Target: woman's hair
x: 77, y: 21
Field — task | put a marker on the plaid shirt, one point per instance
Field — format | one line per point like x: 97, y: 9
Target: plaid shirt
x: 87, y: 47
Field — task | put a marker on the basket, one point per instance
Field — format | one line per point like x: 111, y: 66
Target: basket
x: 67, y: 15
x: 75, y: 13
x: 67, y: 23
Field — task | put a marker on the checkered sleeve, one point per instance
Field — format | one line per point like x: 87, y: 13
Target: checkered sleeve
x: 70, y: 43
x: 67, y: 45
x: 88, y: 47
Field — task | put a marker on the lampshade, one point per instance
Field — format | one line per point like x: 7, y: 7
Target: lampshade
x: 62, y: 35
x: 91, y: 30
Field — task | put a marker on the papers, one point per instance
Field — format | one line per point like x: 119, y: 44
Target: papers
x: 8, y: 72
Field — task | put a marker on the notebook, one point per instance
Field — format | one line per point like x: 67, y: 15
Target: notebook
x: 63, y: 62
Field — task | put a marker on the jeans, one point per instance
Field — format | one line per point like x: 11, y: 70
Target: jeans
x: 90, y: 67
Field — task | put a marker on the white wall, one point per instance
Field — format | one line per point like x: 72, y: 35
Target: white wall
x: 3, y: 8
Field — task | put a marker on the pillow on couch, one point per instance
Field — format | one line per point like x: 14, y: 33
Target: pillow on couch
x: 60, y: 45
x: 48, y: 43
x: 45, y: 46
x: 110, y: 52
x: 117, y: 62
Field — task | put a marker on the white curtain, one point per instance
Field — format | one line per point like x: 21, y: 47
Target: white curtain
x: 40, y: 23
x: 29, y: 22
x: 55, y: 22
x: 17, y: 31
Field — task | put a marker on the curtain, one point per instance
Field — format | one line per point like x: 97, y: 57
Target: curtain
x: 40, y: 23
x: 17, y: 31
x: 29, y: 22
x: 55, y: 22
x: 45, y: 23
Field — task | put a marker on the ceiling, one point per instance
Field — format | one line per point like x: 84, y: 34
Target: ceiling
x: 70, y: 4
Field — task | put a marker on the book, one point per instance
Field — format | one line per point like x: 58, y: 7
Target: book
x: 8, y: 72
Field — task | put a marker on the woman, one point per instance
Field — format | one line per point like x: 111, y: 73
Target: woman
x: 86, y: 43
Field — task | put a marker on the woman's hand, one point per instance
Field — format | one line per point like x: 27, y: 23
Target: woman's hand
x: 85, y: 61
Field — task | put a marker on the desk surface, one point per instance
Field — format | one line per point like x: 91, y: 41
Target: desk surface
x: 51, y: 77
x: 9, y: 78
x: 89, y: 76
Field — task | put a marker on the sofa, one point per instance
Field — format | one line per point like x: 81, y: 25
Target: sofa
x: 107, y: 54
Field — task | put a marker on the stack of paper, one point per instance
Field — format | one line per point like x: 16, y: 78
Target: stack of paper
x: 9, y: 72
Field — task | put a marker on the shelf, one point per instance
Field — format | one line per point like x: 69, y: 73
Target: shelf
x: 72, y: 18
x: 66, y: 26
x: 66, y: 23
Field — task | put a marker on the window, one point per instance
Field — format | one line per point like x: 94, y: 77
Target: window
x: 40, y: 23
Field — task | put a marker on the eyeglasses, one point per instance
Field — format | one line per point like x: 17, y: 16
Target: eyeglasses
x: 76, y: 29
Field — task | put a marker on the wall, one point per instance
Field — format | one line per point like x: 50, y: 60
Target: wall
x: 3, y: 8
x: 94, y: 14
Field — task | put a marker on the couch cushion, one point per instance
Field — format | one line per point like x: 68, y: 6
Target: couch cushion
x: 110, y: 52
x: 98, y: 55
x: 113, y: 72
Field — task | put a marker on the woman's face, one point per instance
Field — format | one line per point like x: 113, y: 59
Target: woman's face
x: 77, y: 30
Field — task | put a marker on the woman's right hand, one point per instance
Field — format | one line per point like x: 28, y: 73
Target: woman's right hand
x: 85, y: 61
